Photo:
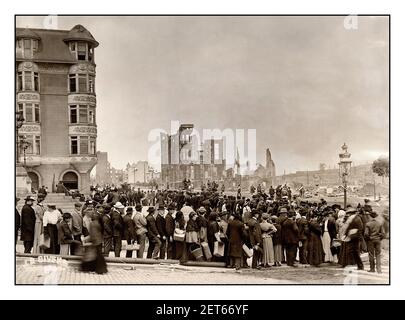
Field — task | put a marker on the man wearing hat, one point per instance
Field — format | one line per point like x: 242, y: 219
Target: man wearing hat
x: 107, y: 226
x: 373, y: 234
x: 28, y: 224
x: 255, y: 235
x: 303, y: 228
x: 170, y: 226
x: 129, y: 229
x: 118, y: 227
x: 161, y: 227
x: 153, y: 234
x: 354, y: 234
x: 140, y: 229
x: 290, y: 234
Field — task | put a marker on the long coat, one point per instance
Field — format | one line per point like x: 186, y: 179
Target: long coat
x: 27, y: 223
x: 129, y: 228
x: 235, y: 236
x: 290, y: 232
x: 255, y: 232
x: 315, y: 249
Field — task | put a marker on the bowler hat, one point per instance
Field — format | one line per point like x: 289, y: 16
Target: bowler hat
x: 29, y: 198
x: 138, y: 207
x: 151, y: 209
x: 130, y: 210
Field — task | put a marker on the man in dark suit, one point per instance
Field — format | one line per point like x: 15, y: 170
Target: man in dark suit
x: 355, y: 232
x: 28, y: 224
x: 281, y: 219
x: 118, y: 227
x: 303, y: 232
x: 161, y: 227
x: 255, y: 235
x: 129, y: 229
x: 107, y: 226
x: 153, y: 234
x: 290, y: 238
x: 170, y: 226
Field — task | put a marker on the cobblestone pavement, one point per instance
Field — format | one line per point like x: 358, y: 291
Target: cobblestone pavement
x: 40, y: 273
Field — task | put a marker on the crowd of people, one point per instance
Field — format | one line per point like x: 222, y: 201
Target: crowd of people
x: 272, y: 228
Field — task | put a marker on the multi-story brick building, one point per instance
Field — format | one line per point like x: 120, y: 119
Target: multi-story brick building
x: 55, y: 92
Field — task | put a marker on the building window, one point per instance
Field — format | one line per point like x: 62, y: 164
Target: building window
x: 27, y: 80
x: 84, y: 145
x: 35, y: 45
x: 73, y: 145
x: 73, y: 46
x: 82, y: 83
x: 27, y: 44
x: 81, y: 51
x: 83, y: 114
x: 36, y: 81
x: 92, y: 115
x: 31, y: 112
x: 73, y: 114
x: 91, y: 84
x: 93, y: 145
x: 72, y: 83
x: 37, y: 145
x: 33, y: 145
x: 90, y: 53
x: 20, y: 82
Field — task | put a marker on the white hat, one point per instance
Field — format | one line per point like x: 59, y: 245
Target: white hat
x: 118, y: 205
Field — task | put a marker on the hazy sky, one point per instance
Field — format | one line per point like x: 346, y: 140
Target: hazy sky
x: 306, y: 84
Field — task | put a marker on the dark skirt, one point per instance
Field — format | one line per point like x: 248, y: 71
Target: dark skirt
x: 346, y: 256
x: 54, y: 247
x: 93, y: 260
x: 179, y: 248
x: 315, y: 250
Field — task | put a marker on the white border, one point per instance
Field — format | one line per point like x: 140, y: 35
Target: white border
x: 9, y: 291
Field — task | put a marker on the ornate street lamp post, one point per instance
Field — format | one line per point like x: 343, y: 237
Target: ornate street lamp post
x: 19, y: 121
x: 24, y: 146
x: 344, y: 170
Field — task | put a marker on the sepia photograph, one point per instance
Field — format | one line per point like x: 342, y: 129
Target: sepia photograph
x: 202, y: 150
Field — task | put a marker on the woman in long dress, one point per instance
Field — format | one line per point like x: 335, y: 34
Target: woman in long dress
x: 180, y: 227
x: 93, y: 259
x: 267, y: 230
x: 315, y: 248
x: 39, y: 226
x: 52, y: 217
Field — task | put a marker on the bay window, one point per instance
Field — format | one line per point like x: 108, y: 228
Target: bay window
x: 82, y: 114
x: 27, y: 81
x: 81, y: 83
x: 82, y: 145
x: 31, y: 112
x: 33, y: 144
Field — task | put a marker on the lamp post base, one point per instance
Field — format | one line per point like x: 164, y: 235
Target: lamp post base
x: 22, y: 181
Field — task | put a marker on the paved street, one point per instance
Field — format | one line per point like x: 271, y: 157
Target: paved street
x: 176, y: 274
